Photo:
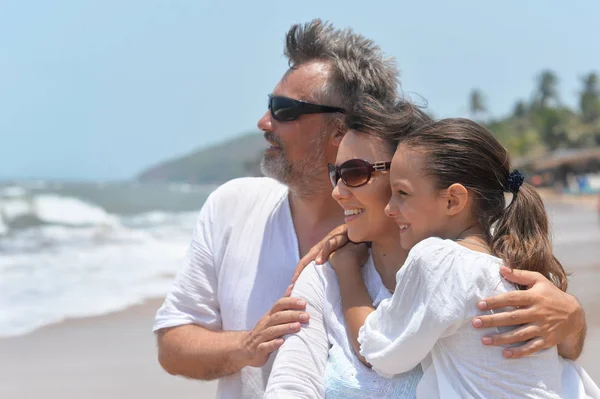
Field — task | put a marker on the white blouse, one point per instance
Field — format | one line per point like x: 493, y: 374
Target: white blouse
x: 428, y: 321
x: 319, y: 360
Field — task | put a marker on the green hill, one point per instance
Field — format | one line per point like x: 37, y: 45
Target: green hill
x: 237, y: 157
x: 533, y: 129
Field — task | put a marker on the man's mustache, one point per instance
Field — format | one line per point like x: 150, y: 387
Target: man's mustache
x: 272, y: 139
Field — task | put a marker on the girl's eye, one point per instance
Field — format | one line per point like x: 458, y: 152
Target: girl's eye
x: 402, y: 192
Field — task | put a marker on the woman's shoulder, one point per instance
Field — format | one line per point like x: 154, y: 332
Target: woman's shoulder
x: 311, y: 274
x: 314, y: 275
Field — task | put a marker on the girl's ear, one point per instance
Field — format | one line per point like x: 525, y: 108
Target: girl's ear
x: 457, y: 199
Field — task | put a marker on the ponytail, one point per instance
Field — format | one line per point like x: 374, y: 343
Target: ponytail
x: 521, y: 237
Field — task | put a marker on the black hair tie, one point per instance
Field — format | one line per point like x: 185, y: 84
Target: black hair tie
x: 515, y: 180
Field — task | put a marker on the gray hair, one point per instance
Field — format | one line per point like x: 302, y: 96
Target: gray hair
x: 357, y: 64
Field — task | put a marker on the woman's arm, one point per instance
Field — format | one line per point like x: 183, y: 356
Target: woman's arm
x: 546, y: 315
x: 299, y: 368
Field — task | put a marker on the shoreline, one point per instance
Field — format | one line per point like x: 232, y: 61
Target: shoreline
x: 129, y: 308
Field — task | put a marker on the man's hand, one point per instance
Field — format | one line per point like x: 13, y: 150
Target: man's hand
x: 546, y: 315
x: 337, y: 238
x: 349, y: 255
x: 266, y: 337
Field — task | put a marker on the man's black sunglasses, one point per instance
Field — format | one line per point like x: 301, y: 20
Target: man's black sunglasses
x: 355, y: 172
x: 286, y: 109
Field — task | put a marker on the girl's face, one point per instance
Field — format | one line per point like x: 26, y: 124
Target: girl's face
x: 417, y: 207
x: 364, y: 206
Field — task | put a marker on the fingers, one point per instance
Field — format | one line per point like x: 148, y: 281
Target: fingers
x: 516, y: 336
x: 269, y: 347
x: 297, y: 272
x: 288, y: 304
x: 287, y: 316
x: 521, y: 277
x: 305, y: 261
x: 332, y: 244
x: 336, y: 239
x: 341, y: 229
x: 278, y: 331
x: 288, y: 291
x: 511, y: 298
x: 511, y: 318
x: 324, y: 253
x: 531, y: 347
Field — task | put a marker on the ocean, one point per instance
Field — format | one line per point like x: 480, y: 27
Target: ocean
x: 83, y: 249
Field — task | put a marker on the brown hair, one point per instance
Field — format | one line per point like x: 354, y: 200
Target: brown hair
x: 389, y: 121
x: 462, y: 151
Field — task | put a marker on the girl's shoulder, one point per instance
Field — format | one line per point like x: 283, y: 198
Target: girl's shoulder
x: 437, y: 255
x: 434, y: 247
x: 431, y: 248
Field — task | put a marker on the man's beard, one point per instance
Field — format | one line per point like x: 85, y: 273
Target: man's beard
x: 302, y: 174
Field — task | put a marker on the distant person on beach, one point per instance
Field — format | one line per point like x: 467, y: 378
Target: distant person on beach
x: 321, y: 359
x: 228, y: 309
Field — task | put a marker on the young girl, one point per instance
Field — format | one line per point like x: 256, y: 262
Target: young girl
x: 449, y: 181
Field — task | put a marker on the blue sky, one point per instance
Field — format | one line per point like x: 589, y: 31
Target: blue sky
x: 101, y: 89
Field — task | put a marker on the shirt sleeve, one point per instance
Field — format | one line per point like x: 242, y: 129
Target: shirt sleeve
x: 299, y: 368
x: 428, y: 304
x: 193, y: 296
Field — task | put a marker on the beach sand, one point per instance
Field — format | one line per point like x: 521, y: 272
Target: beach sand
x: 114, y: 356
x: 111, y: 356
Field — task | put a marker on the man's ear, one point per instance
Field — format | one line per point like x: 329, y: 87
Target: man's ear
x: 457, y: 199
x: 338, y: 132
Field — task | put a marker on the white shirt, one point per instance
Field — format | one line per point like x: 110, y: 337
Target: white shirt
x: 428, y: 321
x: 241, y: 260
x: 319, y: 360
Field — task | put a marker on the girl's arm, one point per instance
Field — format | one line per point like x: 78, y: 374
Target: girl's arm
x: 356, y: 303
x: 429, y: 303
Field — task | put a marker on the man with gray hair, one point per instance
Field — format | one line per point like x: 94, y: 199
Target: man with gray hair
x: 225, y: 314
x: 228, y: 309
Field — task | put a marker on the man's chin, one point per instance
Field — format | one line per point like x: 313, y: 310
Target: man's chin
x: 274, y: 168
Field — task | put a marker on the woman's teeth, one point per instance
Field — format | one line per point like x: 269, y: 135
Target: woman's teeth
x: 350, y: 212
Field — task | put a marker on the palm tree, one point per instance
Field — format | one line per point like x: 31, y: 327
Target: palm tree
x: 520, y: 109
x: 476, y: 103
x: 589, y: 102
x: 546, y: 88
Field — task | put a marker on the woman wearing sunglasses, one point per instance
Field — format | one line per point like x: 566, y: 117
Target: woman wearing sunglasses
x: 320, y: 361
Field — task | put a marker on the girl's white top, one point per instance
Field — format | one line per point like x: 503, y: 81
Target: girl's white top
x: 428, y: 321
